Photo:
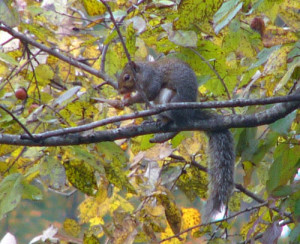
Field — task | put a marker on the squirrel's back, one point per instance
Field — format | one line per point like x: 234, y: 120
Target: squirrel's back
x: 173, y: 74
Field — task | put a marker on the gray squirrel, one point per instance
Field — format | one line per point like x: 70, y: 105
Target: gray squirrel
x: 171, y: 80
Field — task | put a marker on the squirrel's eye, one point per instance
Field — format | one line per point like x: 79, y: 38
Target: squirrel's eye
x: 126, y: 77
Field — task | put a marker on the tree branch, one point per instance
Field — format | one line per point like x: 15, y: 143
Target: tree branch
x: 57, y: 54
x: 216, y: 123
x: 162, y: 108
x: 214, y: 222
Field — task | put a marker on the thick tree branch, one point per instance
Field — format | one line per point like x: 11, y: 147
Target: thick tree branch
x: 162, y: 108
x: 54, y: 52
x: 217, y: 123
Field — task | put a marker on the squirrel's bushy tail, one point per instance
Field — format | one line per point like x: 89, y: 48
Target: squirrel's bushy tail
x: 221, y: 170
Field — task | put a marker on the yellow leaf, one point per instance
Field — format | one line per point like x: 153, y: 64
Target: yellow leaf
x: 94, y: 7
x: 130, y: 39
x: 168, y: 233
x: 101, y: 194
x: 87, y: 209
x: 155, y: 211
x: 192, y: 145
x: 277, y: 61
x: 96, y: 221
x: 44, y: 74
x: 191, y: 12
x: 190, y: 217
x: 71, y: 227
x: 159, y: 152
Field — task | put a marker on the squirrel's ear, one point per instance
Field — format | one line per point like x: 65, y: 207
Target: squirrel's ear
x: 135, y: 66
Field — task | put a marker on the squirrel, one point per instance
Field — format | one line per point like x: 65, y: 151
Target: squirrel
x: 171, y: 80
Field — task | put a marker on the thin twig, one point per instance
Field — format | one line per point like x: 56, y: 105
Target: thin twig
x: 18, y: 121
x: 104, y: 51
x: 214, y: 222
x: 29, y: 53
x: 216, y: 73
x: 260, y: 200
x: 260, y: 235
x: 112, y: 18
x: 13, y: 162
x: 57, y: 54
x: 138, y: 85
x: 53, y: 110
x: 13, y: 74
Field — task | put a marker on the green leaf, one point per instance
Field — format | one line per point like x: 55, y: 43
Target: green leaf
x: 264, y: 55
x: 246, y: 143
x: 81, y: 153
x: 81, y: 176
x: 110, y: 37
x: 179, y: 138
x: 31, y: 192
x: 297, y: 208
x: 287, y: 75
x: 117, y: 176
x: 52, y: 172
x: 65, y: 97
x: 142, y: 143
x: 192, y: 13
x: 131, y: 39
x: 90, y: 239
x: 295, y: 52
x: 9, y: 15
x: 44, y: 74
x: 181, y: 37
x: 274, y: 175
x: 172, y: 212
x: 282, y: 191
x: 8, y: 59
x: 265, y: 144
x: 11, y: 190
x: 109, y: 151
x: 294, y: 236
x: 283, y: 125
x: 39, y: 31
x: 114, y: 162
x: 284, y: 167
x: 226, y: 13
x: 193, y: 183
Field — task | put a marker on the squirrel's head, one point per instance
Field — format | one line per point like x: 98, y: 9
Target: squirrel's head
x: 126, y: 82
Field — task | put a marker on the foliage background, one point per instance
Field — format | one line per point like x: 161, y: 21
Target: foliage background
x: 136, y: 190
